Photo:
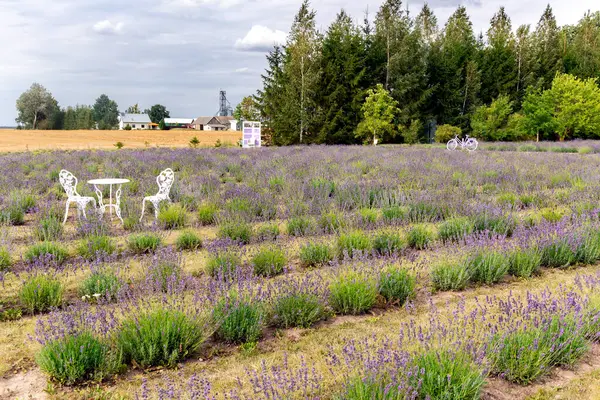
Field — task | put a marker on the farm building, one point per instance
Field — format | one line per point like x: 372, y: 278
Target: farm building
x: 217, y: 123
x: 178, y: 122
x: 136, y: 121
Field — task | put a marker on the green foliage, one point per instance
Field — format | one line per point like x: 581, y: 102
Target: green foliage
x: 158, y: 113
x: 369, y: 215
x: 396, y: 285
x: 143, y: 243
x: 269, y: 261
x: 172, y: 217
x: 419, y: 237
x: 223, y: 264
x: 242, y: 322
x: 49, y: 228
x: 105, y: 282
x: 95, y: 245
x: 35, y: 107
x: 558, y: 254
x: 188, y: 240
x: 194, y: 142
x: 412, y: 133
x: 379, y: 111
x: 315, y: 254
x: 75, y: 358
x: 353, y: 243
x: 160, y: 337
x: 5, y: 260
x: 490, y: 122
x: 207, y: 214
x: 268, y: 232
x: 455, y: 229
x: 330, y: 222
x: 353, y: 293
x: 40, y: 293
x: 488, y: 266
x: 11, y: 314
x: 387, y: 243
x: 298, y: 310
x: 51, y: 250
x: 495, y: 224
x: 106, y: 113
x: 299, y: 226
x: 237, y: 231
x: 524, y: 262
x: 127, y: 128
x: 12, y: 215
x: 444, y: 133
x: 450, y: 276
x: 163, y: 274
x: 393, y: 213
x: 448, y: 375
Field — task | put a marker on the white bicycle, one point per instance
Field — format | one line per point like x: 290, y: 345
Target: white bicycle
x: 466, y: 143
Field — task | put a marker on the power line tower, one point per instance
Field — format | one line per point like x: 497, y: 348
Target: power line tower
x: 224, y: 105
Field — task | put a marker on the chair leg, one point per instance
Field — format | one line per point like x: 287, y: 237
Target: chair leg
x: 143, y: 209
x: 66, y: 212
x: 156, y: 205
x: 83, y: 210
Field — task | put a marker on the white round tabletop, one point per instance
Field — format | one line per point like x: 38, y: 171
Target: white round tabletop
x: 107, y: 181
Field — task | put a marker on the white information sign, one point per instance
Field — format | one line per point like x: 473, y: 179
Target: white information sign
x: 251, y: 134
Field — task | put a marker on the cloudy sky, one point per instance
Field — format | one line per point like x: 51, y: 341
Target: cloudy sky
x: 179, y: 53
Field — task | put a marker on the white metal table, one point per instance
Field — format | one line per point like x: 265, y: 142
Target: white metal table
x: 109, y: 181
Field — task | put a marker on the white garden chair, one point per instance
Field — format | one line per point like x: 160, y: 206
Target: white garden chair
x: 69, y: 183
x: 164, y: 180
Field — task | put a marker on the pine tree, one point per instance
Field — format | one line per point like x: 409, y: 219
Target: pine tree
x: 583, y: 54
x: 524, y: 60
x: 426, y: 23
x: 499, y: 66
x: 547, y: 50
x: 343, y: 83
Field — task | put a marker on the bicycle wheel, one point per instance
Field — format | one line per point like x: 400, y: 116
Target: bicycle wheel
x: 452, y: 144
x: 471, y: 144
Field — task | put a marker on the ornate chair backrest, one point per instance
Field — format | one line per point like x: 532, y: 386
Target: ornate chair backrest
x: 68, y: 182
x: 165, y: 180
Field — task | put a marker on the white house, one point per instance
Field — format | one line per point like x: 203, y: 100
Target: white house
x: 135, y: 121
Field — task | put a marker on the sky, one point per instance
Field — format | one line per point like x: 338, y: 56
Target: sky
x: 180, y: 53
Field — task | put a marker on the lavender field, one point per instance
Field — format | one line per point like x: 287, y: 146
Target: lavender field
x: 315, y: 272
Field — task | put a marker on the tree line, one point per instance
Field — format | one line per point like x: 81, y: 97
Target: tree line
x: 38, y: 109
x: 505, y: 84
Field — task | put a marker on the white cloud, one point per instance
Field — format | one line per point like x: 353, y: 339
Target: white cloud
x: 106, y: 27
x: 260, y: 38
x: 242, y: 70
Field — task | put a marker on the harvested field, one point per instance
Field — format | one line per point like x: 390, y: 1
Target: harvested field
x: 13, y: 140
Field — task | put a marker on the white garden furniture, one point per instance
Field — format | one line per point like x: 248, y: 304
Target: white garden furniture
x: 466, y: 143
x: 69, y: 183
x: 164, y: 180
x: 117, y: 204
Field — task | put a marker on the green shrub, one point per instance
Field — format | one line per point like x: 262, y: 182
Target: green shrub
x: 223, y: 264
x: 369, y: 388
x: 299, y: 226
x: 419, y: 237
x: 448, y: 375
x: 207, y: 214
x: 455, y: 229
x: 425, y: 212
x: 527, y: 200
x: 585, y: 150
x: 144, y: 243
x: 488, y: 266
x: 12, y: 215
x: 556, y: 149
x: 46, y: 249
x: 450, y: 276
x: 369, y: 215
x: 96, y: 244
x: 238, y: 231
x: 500, y: 224
x: 387, y: 243
x: 298, y: 310
x: 161, y: 337
x: 393, y: 213
x: 551, y: 215
x: 276, y: 183
x: 315, y: 254
x: 396, y: 285
x: 48, y: 228
x: 75, y: 358
x: 507, y: 199
x: 588, y: 251
x: 352, y: 293
x: 353, y: 243
x: 188, y: 240
x: 11, y: 314
x: 23, y: 201
x: 558, y: 254
x: 269, y: 261
x: 330, y: 222
x: 40, y: 293
x: 105, y: 283
x: 527, y: 148
x: 164, y: 273
x: 524, y: 262
x: 131, y: 223
x: 444, y: 133
x: 5, y: 260
x: 172, y: 217
x: 241, y: 322
x: 268, y: 232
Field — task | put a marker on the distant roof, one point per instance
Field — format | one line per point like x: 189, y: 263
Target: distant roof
x: 202, y: 120
x: 216, y: 120
x: 138, y: 118
x: 178, y: 120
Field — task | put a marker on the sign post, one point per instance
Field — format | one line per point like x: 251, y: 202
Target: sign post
x: 251, y: 134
